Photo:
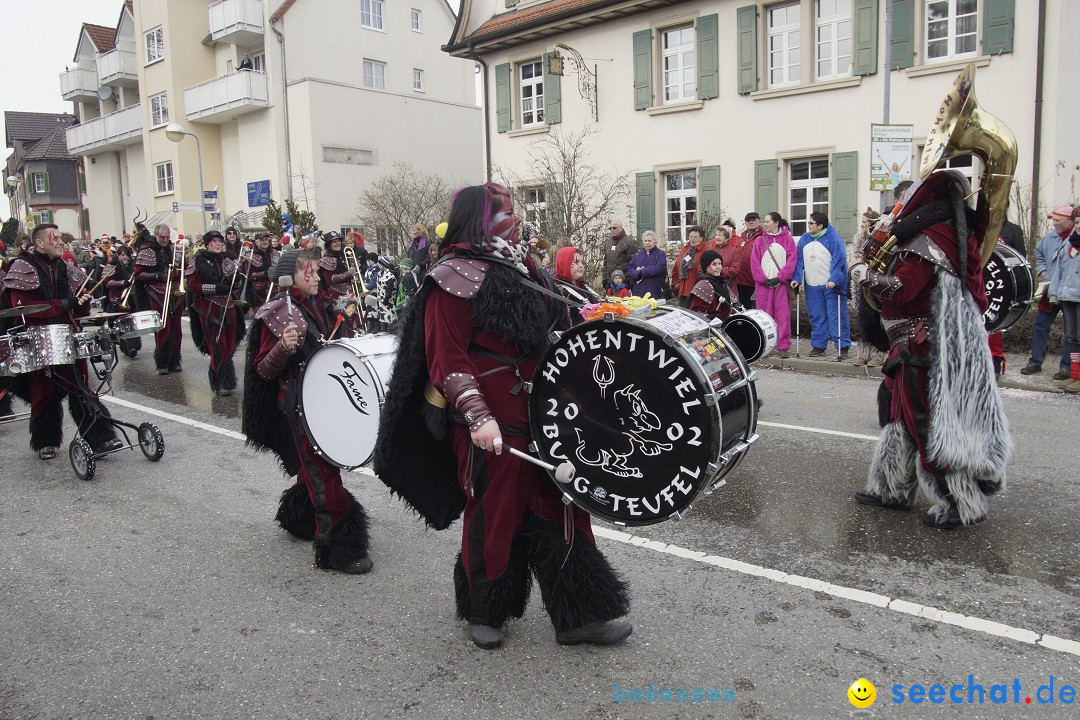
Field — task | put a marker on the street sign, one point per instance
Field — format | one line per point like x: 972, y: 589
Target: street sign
x: 215, y: 217
x: 209, y: 207
x: 187, y: 207
x: 209, y: 195
x: 258, y: 193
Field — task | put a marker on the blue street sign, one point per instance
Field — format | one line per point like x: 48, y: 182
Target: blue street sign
x: 209, y: 207
x: 209, y: 195
x: 258, y: 193
x: 215, y: 217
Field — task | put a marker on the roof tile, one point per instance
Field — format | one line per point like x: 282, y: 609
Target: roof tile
x: 32, y: 125
x: 104, y: 38
x: 517, y: 18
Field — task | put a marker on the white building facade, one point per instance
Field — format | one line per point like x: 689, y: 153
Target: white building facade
x: 722, y: 107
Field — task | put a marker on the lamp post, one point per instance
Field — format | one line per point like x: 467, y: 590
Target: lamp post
x: 176, y: 132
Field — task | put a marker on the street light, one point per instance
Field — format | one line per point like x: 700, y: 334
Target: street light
x: 176, y: 132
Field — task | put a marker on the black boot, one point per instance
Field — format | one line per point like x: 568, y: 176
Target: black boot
x: 296, y: 514
x: 347, y: 548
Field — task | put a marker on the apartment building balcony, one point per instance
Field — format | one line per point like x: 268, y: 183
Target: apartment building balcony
x: 118, y: 68
x: 239, y: 22
x: 227, y: 97
x: 108, y: 132
x: 79, y: 85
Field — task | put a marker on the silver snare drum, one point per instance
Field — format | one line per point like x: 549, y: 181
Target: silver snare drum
x: 50, y: 345
x: 135, y: 324
x: 92, y: 343
x: 15, y: 356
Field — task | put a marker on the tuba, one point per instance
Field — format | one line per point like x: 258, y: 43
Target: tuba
x: 960, y: 128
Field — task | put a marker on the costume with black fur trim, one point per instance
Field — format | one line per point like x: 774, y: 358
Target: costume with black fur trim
x: 211, y: 306
x: 475, y: 325
x: 317, y: 507
x: 153, y: 264
x: 34, y: 279
x: 259, y: 281
x: 944, y: 425
x: 712, y: 297
x: 335, y: 277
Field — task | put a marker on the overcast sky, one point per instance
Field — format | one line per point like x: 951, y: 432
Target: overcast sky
x: 39, y: 42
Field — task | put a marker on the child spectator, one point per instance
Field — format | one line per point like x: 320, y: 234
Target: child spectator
x: 617, y: 288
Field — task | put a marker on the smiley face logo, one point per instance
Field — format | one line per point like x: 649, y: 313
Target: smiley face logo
x: 862, y: 693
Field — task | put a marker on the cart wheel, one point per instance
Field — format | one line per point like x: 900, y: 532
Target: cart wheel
x: 151, y: 442
x: 82, y: 459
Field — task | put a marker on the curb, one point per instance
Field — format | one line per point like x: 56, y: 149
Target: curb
x: 832, y: 367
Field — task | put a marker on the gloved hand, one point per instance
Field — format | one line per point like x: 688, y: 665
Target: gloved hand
x: 771, y: 282
x: 858, y: 273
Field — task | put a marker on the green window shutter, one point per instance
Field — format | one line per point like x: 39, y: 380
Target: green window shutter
x: 502, y: 97
x: 766, y: 173
x: 46, y: 181
x: 866, y: 34
x: 82, y: 180
x: 845, y: 193
x: 643, y: 70
x: 646, y: 201
x: 709, y: 191
x: 998, y: 20
x: 555, y: 225
x: 708, y: 57
x: 903, y: 33
x: 511, y: 3
x: 746, y: 32
x: 552, y: 95
x: 86, y: 220
x: 47, y: 215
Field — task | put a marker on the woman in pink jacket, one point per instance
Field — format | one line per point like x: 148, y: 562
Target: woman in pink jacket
x: 772, y: 263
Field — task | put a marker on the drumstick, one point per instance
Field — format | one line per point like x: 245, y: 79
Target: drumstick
x: 83, y: 286
x: 333, y: 332
x: 564, y: 473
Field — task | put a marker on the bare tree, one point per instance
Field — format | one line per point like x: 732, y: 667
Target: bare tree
x: 579, y: 197
x: 391, y: 205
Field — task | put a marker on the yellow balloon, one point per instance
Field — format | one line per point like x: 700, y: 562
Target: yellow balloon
x: 862, y: 693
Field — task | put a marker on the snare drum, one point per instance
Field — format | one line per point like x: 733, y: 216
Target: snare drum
x: 49, y: 345
x: 135, y: 324
x: 753, y: 332
x: 652, y: 413
x: 1010, y: 288
x: 342, y: 388
x: 92, y: 343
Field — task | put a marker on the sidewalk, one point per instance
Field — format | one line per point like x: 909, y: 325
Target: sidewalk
x: 828, y: 365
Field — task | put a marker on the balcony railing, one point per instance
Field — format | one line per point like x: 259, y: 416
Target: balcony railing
x: 108, y: 132
x: 224, y: 98
x: 79, y: 85
x: 239, y: 22
x: 118, y: 67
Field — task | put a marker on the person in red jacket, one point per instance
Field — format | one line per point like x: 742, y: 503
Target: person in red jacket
x: 684, y: 274
x: 744, y: 280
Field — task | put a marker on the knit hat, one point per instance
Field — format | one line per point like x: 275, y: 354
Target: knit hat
x: 373, y: 257
x: 440, y: 230
x: 1065, y: 211
x: 286, y: 265
x: 707, y: 257
x: 406, y: 263
x: 212, y: 235
x: 617, y: 273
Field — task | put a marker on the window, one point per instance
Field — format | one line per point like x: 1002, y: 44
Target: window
x: 808, y: 191
x: 371, y: 14
x: 159, y: 110
x: 680, y: 204
x: 680, y: 73
x: 39, y: 182
x: 417, y: 20
x: 951, y: 27
x: 374, y: 74
x: 155, y: 45
x: 42, y: 217
x: 258, y: 62
x: 784, y: 45
x: 418, y: 80
x: 531, y: 76
x: 535, y: 202
x: 832, y: 39
x: 163, y: 173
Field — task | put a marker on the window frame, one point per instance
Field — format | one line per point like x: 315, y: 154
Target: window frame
x: 159, y: 104
x: 169, y: 178
x: 375, y: 10
x: 373, y: 63
x: 416, y: 20
x: 418, y: 80
x: 833, y: 21
x: 534, y: 201
x: 663, y: 54
x: 951, y: 37
x: 681, y: 194
x: 809, y: 184
x: 34, y: 177
x: 785, y: 33
x: 536, y: 81
x: 159, y: 44
x: 258, y: 61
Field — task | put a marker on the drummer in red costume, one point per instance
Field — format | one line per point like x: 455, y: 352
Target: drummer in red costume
x: 711, y: 294
x: 213, y: 315
x: 470, y: 341
x: 283, y: 336
x: 153, y: 265
x: 944, y: 425
x: 40, y: 277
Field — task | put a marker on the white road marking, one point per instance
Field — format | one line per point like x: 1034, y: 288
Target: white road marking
x: 969, y: 622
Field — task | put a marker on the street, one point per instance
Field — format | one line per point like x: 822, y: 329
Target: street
x: 166, y: 590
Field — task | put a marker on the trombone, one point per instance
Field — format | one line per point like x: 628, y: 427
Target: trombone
x: 246, y: 250
x: 177, y: 263
x: 359, y: 290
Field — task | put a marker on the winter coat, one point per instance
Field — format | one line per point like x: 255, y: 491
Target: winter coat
x: 646, y: 271
x: 832, y: 244
x: 683, y: 286
x: 619, y: 256
x: 1065, y: 274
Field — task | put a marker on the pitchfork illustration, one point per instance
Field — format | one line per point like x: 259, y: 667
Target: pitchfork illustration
x: 603, y: 379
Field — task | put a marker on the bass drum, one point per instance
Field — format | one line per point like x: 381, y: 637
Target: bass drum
x: 651, y: 412
x: 1010, y: 288
x: 753, y: 332
x: 342, y: 389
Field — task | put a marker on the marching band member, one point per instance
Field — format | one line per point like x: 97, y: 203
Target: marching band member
x: 711, y: 295
x: 335, y: 275
x: 116, y: 286
x: 214, y: 317
x: 40, y: 277
x: 283, y: 336
x: 944, y: 425
x: 470, y: 341
x: 262, y: 259
x: 153, y: 267
x: 569, y: 277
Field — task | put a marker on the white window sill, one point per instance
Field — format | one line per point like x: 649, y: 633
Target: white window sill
x: 952, y: 66
x: 154, y: 62
x: 164, y: 194
x: 531, y: 130
x: 675, y: 107
x: 808, y: 88
x: 369, y: 27
x: 158, y: 127
x: 376, y: 89
x: 419, y: 90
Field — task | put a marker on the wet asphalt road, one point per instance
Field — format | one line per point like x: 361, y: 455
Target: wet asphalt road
x: 164, y: 589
